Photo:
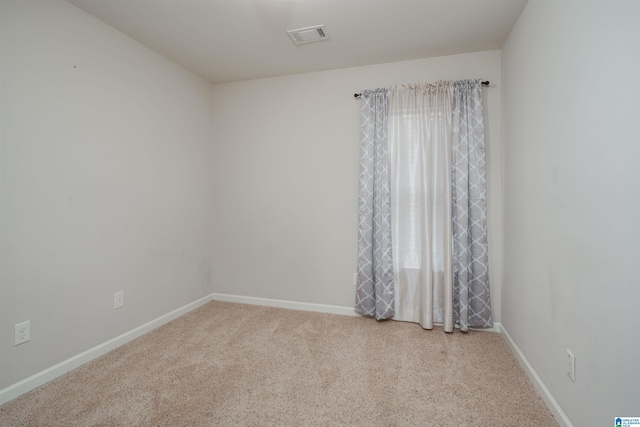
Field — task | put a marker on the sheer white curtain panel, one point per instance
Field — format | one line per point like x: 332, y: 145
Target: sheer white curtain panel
x: 420, y: 129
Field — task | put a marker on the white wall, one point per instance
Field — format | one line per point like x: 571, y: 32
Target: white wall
x: 286, y: 168
x: 105, y: 183
x: 571, y: 201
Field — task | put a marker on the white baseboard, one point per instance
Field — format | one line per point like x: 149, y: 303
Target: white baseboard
x: 542, y: 389
x: 293, y: 305
x: 306, y: 306
x: 11, y: 392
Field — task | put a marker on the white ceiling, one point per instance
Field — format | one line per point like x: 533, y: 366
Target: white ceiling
x: 232, y: 40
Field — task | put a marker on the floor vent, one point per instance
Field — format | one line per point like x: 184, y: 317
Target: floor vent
x: 309, y: 34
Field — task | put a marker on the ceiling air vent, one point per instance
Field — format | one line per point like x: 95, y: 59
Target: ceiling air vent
x: 309, y: 34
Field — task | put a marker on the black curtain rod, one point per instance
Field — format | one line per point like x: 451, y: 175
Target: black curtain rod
x: 357, y: 95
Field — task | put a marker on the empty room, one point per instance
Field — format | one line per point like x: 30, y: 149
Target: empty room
x: 319, y: 212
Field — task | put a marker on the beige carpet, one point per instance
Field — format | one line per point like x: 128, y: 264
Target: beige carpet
x: 230, y: 364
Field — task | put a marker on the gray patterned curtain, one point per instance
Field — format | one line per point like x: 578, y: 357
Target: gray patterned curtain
x: 472, y: 302
x: 375, y: 289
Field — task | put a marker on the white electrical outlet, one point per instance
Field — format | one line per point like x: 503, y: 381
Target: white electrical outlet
x: 355, y: 279
x: 119, y: 300
x: 23, y: 332
x: 571, y: 365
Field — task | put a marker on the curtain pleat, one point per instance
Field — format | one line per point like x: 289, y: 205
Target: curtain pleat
x: 375, y: 287
x: 472, y: 302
